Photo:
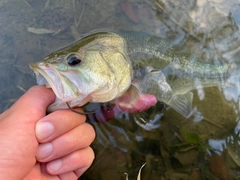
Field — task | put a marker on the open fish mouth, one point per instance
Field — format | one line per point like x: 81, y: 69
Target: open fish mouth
x: 48, y: 76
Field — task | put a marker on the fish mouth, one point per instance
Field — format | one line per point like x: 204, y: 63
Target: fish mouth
x: 47, y: 75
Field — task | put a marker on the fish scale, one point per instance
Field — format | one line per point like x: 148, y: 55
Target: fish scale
x: 115, y: 64
x: 162, y: 51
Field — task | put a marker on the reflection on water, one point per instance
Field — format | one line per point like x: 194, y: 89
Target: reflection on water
x: 203, y: 146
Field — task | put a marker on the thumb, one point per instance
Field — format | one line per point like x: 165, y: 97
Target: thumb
x: 18, y: 142
x: 28, y: 109
x: 34, y: 101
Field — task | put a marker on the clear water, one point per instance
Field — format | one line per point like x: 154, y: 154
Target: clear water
x: 204, y: 146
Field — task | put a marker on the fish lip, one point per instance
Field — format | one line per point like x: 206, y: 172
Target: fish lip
x: 42, y: 72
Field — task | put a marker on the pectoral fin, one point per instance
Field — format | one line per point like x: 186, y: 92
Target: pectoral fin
x: 182, y: 103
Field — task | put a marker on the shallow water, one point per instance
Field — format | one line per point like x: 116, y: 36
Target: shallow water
x: 204, y: 146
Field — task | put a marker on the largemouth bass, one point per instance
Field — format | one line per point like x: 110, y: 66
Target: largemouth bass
x: 131, y: 70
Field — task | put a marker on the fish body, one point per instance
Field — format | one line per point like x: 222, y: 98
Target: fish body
x: 132, y: 70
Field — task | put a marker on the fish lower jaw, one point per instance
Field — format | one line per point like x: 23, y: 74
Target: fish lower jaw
x: 62, y: 103
x: 47, y: 85
x: 58, y: 104
x: 53, y: 107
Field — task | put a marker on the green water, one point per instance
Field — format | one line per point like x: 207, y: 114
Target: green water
x: 204, y: 146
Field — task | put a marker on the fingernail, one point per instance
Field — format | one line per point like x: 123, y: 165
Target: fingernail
x: 44, y: 150
x: 54, y: 165
x: 44, y: 130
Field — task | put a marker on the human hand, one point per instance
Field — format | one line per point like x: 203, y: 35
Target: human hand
x: 33, y: 143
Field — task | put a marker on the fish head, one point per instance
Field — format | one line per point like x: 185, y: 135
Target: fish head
x: 94, y: 69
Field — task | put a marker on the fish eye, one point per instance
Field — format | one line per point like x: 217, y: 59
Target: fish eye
x: 73, y: 60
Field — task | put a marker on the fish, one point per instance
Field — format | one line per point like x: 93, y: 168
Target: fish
x: 130, y: 70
